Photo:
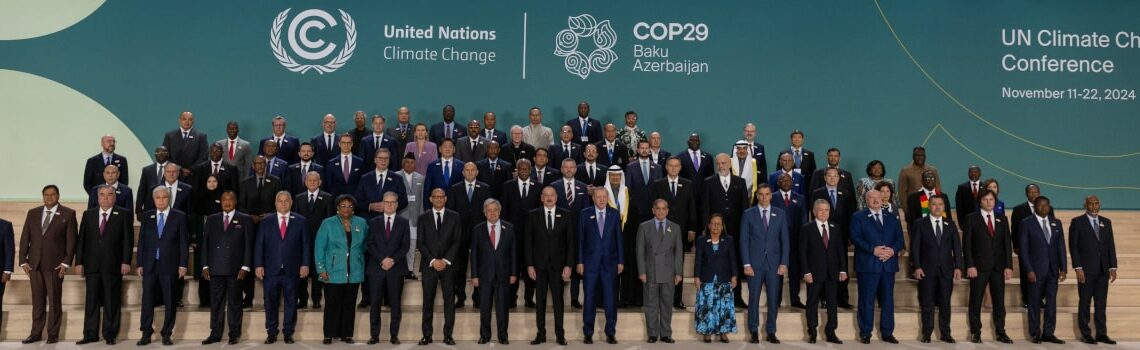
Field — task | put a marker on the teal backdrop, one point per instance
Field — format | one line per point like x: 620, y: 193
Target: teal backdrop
x: 873, y: 78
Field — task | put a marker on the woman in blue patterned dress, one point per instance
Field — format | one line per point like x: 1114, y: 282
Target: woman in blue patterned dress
x: 715, y: 277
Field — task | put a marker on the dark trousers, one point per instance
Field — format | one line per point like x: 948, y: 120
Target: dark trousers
x: 526, y: 284
x: 1046, y: 287
x: 876, y: 287
x: 772, y: 285
x: 608, y: 282
x: 309, y: 287
x: 225, y: 304
x: 549, y: 280
x: 494, y: 293
x: 1095, y: 289
x: 431, y: 279
x: 995, y: 280
x: 158, y: 285
x: 278, y: 286
x: 458, y: 273
x: 340, y: 309
x: 575, y: 285
x: 629, y: 284
x: 104, y: 299
x: 829, y: 291
x: 46, y: 288
x: 387, y: 286
x: 795, y: 274
x: 935, y: 292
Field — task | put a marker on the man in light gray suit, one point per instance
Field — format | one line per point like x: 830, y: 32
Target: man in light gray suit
x: 764, y: 249
x: 473, y: 147
x: 414, y: 185
x: 235, y: 150
x: 659, y: 264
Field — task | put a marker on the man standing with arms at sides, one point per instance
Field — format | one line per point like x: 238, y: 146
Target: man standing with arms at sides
x: 1042, y: 256
x: 679, y: 193
x: 162, y: 256
x: 823, y: 256
x: 937, y: 254
x: 102, y: 257
x: 966, y: 198
x: 845, y: 179
x: 446, y: 129
x: 343, y: 172
x: 764, y: 251
x: 842, y: 206
x: 187, y: 145
x: 151, y: 177
x: 536, y: 134
x: 659, y: 255
x: 549, y: 242
x: 494, y: 170
x: 612, y: 152
x: 494, y: 264
x: 658, y: 154
x: 642, y: 173
x: 587, y: 130
x: 315, y: 205
x: 877, y: 238
x: 910, y: 177
x: 489, y: 131
x: 465, y: 197
x: 287, y: 145
x: 565, y: 148
x: 795, y: 207
x: 1093, y: 250
x: 414, y: 184
x: 1020, y: 213
x: 295, y: 175
x: 124, y: 195
x: 744, y: 166
x: 472, y: 147
x: 590, y: 172
x: 47, y: 248
x: 439, y: 235
x: 237, y: 151
x: 281, y: 254
x: 988, y: 257
x: 226, y: 259
x: 375, y: 142
x: 387, y: 243
x: 402, y: 131
x: 600, y: 260
x: 804, y: 158
x: 93, y: 171
x: 324, y: 144
x: 756, y: 149
x: 359, y: 131
x: 444, y: 172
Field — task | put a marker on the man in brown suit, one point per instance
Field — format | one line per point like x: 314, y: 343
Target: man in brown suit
x: 47, y: 246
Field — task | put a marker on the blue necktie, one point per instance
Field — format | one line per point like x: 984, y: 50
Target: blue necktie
x: 798, y: 158
x: 446, y: 173
x: 161, y: 227
x: 764, y: 215
x: 832, y: 198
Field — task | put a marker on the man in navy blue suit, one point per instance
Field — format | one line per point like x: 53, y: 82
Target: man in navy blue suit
x: 600, y: 260
x: 281, y: 255
x: 388, y: 241
x: 494, y: 266
x: 375, y: 183
x: 937, y: 254
x: 180, y: 191
x: 443, y: 172
x: 324, y: 144
x: 227, y: 258
x: 343, y: 171
x: 275, y: 164
x: 565, y: 147
x: 287, y: 145
x: 376, y: 141
x: 642, y: 173
x: 795, y: 208
x: 93, y: 171
x: 162, y: 255
x: 586, y: 130
x: 877, y: 239
x: 696, y: 165
x: 124, y: 196
x: 447, y: 129
x: 1042, y: 255
x: 1093, y: 248
x: 294, y: 180
x: 764, y: 250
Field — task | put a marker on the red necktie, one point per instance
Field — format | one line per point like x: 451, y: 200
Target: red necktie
x: 231, y: 150
x: 103, y: 224
x: 787, y: 201
x: 975, y: 190
x: 493, y: 244
x: 282, y: 227
x: 990, y: 224
x: 826, y: 238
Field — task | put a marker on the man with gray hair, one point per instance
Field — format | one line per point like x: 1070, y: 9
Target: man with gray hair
x: 287, y: 145
x: 315, y: 205
x: 162, y: 260
x: 659, y: 264
x: 494, y: 266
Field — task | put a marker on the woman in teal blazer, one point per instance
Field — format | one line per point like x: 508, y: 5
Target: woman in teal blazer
x: 339, y: 256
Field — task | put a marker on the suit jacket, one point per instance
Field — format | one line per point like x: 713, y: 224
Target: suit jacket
x: 414, y: 185
x: 227, y: 175
x: 581, y: 196
x: 182, y: 196
x: 1037, y: 255
x: 730, y: 204
x: 93, y: 171
x: 323, y: 150
x: 1020, y: 212
x: 256, y: 201
x: 470, y: 211
x: 294, y: 180
x: 492, y: 263
x: 807, y: 163
x: 438, y: 242
x: 435, y: 178
x: 334, y: 175
x: 149, y: 178
x: 381, y: 245
x: 436, y: 132
x: 583, y: 175
x: 464, y: 152
x: 512, y: 153
x: 1093, y: 253
x: 619, y: 154
x: 547, y: 249
x: 964, y: 202
x: 549, y: 175
x: 495, y: 177
x: 516, y: 207
x: 227, y: 248
x: 495, y: 135
x: 286, y: 150
x: 659, y: 255
x: 323, y: 207
x: 938, y: 258
x: 593, y: 130
x: 275, y: 166
x: 721, y: 263
x: 761, y: 159
x: 7, y: 245
x: 402, y: 134
x: 798, y: 183
x: 682, y: 206
x: 640, y: 188
x: 368, y: 148
x: 914, y: 205
x: 171, y: 248
x: 557, y: 153
x: 189, y: 151
x: 660, y: 156
x: 796, y: 211
x: 124, y: 198
x: 840, y: 212
x: 282, y: 256
x: 824, y: 264
x: 866, y: 234
x: 243, y: 155
x: 104, y: 252
x: 371, y: 190
x: 696, y: 175
x: 600, y: 251
x: 980, y: 250
x: 846, y: 181
x: 764, y: 248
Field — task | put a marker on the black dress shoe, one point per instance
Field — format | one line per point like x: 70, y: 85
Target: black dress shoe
x: 771, y: 338
x: 754, y: 338
x: 328, y: 341
x: 680, y: 305
x: 289, y: 339
x: 575, y: 304
x: 947, y: 339
x: 144, y: 341
x: 348, y: 340
x: 181, y: 304
x: 233, y: 341
x: 111, y: 342
x: 166, y: 341
x: 448, y: 340
x: 588, y: 340
x: 86, y: 341
x: 846, y: 306
x: 1052, y: 339
x: 974, y: 338
x: 799, y: 305
x: 741, y: 305
x: 373, y: 341
x: 271, y: 339
x: 560, y: 341
x: 811, y: 339
x: 30, y: 340
x: 865, y: 339
x: 484, y: 340
x: 425, y: 341
x: 1035, y: 340
x: 1003, y: 338
x: 504, y: 341
x: 539, y: 339
x: 52, y: 340
x: 394, y: 340
x: 316, y: 305
x: 410, y: 276
x: 611, y: 340
x: 924, y: 339
x: 1084, y: 339
x: 302, y: 306
x: 363, y: 305
x: 724, y: 338
x: 707, y: 339
x: 652, y: 340
x: 208, y: 341
x: 668, y: 340
x: 1106, y: 340
x: 890, y: 339
x: 831, y: 338
x: 529, y: 304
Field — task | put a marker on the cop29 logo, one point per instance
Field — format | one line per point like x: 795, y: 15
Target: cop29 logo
x: 311, y: 51
x: 585, y: 27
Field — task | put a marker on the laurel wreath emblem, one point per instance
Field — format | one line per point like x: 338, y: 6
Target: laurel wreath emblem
x: 287, y: 61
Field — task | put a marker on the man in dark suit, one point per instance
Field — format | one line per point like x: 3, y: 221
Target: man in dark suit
x: 343, y: 172
x: 878, y: 239
x: 489, y: 132
x: 696, y: 165
x: 402, y: 131
x: 544, y: 173
x: 803, y: 157
x: 7, y: 255
x: 795, y: 207
x: 586, y: 130
x: 494, y: 266
x: 376, y: 141
x: 162, y: 257
x: 255, y: 198
x: 823, y: 257
x: 764, y: 251
x: 573, y: 195
x: 565, y: 147
x: 181, y: 192
x: 937, y: 254
x: 275, y: 165
x: 324, y: 144
x: 494, y: 170
x: 1042, y: 256
x: 438, y: 242
x: 281, y: 256
x: 590, y: 172
x: 295, y: 175
x: 966, y: 197
x: 988, y: 257
x: 549, y: 239
x: 103, y: 256
x: 727, y: 195
x: 658, y: 154
x: 681, y: 195
x: 520, y: 194
x: 472, y: 147
x: 387, y: 243
x: 315, y: 205
x: 375, y: 183
x: 446, y: 129
x: 914, y: 208
x: 47, y: 248
x: 226, y: 259
x: 226, y: 175
x: 1093, y: 249
x: 93, y: 171
x: 600, y: 261
x: 465, y: 197
x: 187, y: 145
x: 756, y: 149
x: 846, y: 181
x: 443, y: 172
x: 610, y: 151
x: 642, y: 173
x: 1020, y: 212
x: 151, y: 176
x: 842, y: 206
x: 287, y: 145
x: 517, y: 149
x: 124, y: 195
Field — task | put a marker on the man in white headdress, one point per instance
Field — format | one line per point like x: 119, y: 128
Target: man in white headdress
x: 629, y: 286
x: 744, y: 166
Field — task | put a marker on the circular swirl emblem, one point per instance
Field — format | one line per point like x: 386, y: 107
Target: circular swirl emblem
x: 586, y: 27
x: 311, y: 50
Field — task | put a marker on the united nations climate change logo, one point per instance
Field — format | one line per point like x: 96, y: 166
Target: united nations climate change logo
x: 302, y: 46
x: 584, y: 26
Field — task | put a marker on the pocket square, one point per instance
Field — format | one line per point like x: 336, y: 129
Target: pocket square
x: 591, y: 218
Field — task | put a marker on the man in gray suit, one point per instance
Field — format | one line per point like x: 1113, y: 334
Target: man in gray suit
x: 473, y: 147
x: 235, y: 151
x: 659, y: 263
x: 414, y: 184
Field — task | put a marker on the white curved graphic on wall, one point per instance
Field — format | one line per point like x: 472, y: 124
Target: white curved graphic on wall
x: 586, y: 27
x: 49, y: 131
x: 25, y: 19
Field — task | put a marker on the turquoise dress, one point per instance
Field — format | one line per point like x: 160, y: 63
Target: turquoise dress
x: 334, y: 254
